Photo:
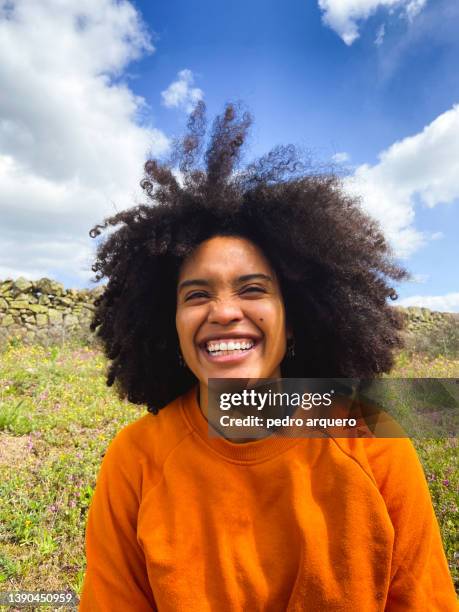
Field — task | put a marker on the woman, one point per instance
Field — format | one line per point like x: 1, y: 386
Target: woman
x: 250, y: 273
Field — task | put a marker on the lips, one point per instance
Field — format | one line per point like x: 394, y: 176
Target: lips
x: 247, y: 345
x: 229, y: 344
x: 235, y: 337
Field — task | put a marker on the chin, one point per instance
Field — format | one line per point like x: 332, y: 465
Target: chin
x: 234, y: 373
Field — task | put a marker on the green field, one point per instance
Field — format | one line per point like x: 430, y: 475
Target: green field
x: 56, y: 419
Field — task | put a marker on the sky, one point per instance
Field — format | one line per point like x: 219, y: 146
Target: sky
x: 89, y: 89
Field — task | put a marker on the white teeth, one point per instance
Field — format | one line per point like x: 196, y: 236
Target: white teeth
x: 231, y: 345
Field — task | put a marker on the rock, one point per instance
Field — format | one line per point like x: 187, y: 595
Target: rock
x: 5, y: 286
x: 20, y: 285
x: 17, y: 304
x: 64, y: 300
x: 44, y: 299
x: 29, y: 338
x: 50, y: 287
x: 38, y: 308
x: 41, y: 320
x: 70, y: 319
x: 42, y: 335
x: 54, y: 316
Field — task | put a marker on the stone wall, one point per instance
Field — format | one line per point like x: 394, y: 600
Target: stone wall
x: 44, y: 312
x: 432, y: 332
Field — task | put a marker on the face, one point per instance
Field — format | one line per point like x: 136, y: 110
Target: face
x: 230, y: 313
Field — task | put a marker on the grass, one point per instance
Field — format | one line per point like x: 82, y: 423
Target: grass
x: 56, y: 419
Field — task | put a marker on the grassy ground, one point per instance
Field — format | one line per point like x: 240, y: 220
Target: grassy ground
x: 56, y: 420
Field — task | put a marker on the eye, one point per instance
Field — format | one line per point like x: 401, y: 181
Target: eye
x: 195, y: 294
x: 254, y: 289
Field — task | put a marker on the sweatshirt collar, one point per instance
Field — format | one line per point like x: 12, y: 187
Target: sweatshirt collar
x: 245, y: 452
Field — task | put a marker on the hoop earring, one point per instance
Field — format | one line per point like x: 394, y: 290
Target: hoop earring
x: 291, y: 348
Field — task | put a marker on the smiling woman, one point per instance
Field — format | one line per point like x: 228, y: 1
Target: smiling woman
x: 259, y: 272
x: 230, y: 315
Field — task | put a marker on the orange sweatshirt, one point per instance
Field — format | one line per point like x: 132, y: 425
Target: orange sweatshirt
x: 182, y: 522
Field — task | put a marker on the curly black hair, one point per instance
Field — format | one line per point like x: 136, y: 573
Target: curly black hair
x: 331, y: 258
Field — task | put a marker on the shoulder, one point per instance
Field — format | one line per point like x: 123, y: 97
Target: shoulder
x: 388, y: 462
x: 396, y: 471
x: 144, y: 445
x: 393, y: 460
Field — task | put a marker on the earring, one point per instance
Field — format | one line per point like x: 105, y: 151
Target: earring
x: 180, y: 358
x: 291, y: 348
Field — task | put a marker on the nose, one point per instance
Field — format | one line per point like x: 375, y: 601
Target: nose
x: 224, y: 312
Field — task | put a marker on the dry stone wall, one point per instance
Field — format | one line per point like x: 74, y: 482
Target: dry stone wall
x: 44, y: 312
x: 432, y: 332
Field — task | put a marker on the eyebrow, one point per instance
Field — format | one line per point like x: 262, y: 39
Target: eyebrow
x: 240, y: 279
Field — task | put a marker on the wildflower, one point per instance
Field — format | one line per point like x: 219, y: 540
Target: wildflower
x: 445, y: 482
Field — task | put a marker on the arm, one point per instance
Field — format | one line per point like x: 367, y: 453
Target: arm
x: 116, y: 576
x: 420, y: 578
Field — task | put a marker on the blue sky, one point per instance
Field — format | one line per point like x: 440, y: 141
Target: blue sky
x: 95, y: 85
x: 299, y: 78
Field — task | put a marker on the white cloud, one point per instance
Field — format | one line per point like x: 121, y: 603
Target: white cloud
x: 413, y: 8
x: 181, y: 93
x: 343, y: 16
x: 341, y: 157
x: 380, y: 35
x: 441, y: 303
x: 436, y: 27
x: 71, y: 138
x: 420, y: 278
x: 420, y: 169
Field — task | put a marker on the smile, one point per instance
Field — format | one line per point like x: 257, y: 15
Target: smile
x: 229, y: 349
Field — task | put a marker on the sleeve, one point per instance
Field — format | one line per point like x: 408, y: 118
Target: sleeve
x: 420, y: 577
x: 116, y: 576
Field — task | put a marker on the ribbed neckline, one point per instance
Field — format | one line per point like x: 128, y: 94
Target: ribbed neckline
x: 258, y: 450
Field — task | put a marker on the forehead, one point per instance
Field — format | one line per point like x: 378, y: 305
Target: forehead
x: 224, y: 257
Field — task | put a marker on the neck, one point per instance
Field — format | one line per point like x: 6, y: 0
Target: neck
x: 203, y: 402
